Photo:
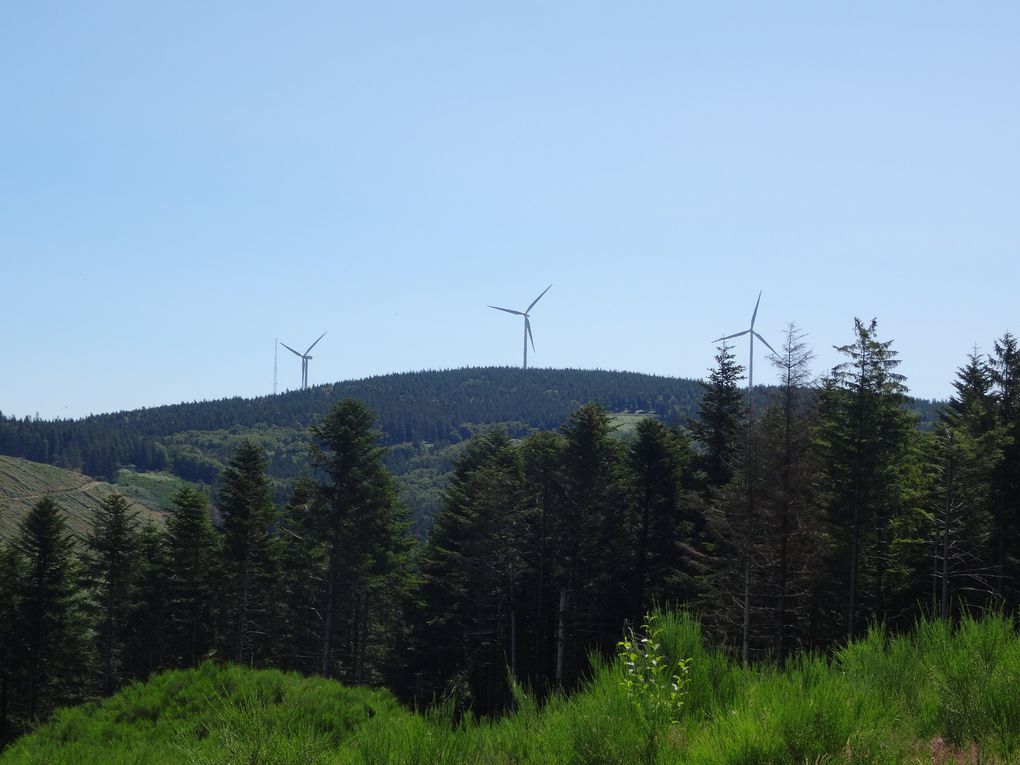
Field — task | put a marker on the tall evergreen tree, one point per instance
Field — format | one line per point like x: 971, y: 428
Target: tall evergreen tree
x: 364, y: 534
x: 1005, y: 370
x: 591, y: 540
x: 717, y: 428
x: 658, y: 460
x: 468, y: 577
x: 302, y: 579
x: 866, y: 438
x: 10, y: 637
x: 148, y: 628
x: 193, y: 573
x: 52, y: 645
x: 541, y: 502
x: 788, y: 497
x: 246, y: 506
x: 111, y: 563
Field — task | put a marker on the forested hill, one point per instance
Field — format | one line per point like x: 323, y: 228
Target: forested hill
x: 412, y: 407
x: 429, y: 406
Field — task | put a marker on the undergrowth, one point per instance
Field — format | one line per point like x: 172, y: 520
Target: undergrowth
x: 939, y: 695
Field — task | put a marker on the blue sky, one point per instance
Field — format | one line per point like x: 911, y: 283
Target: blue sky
x: 182, y: 183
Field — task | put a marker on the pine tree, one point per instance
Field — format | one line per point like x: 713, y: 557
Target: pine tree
x: 541, y: 500
x: 363, y: 532
x: 720, y: 414
x: 788, y: 497
x: 193, y: 571
x: 48, y: 613
x: 246, y: 506
x: 866, y: 439
x: 111, y: 563
x: 658, y: 460
x: 470, y: 572
x: 591, y: 541
x: 1005, y: 371
x: 10, y: 637
x: 148, y: 622
x: 302, y: 579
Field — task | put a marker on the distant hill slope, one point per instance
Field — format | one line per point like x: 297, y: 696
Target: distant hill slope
x: 23, y: 483
x: 420, y: 414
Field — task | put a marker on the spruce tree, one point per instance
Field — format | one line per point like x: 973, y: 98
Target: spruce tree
x: 717, y: 429
x: 471, y: 571
x: 1005, y: 370
x: 193, y: 573
x: 866, y: 438
x: 592, y: 540
x: 788, y: 497
x: 111, y: 568
x: 658, y: 460
x: 246, y: 507
x: 365, y: 543
x: 10, y: 637
x: 48, y: 614
x: 146, y: 651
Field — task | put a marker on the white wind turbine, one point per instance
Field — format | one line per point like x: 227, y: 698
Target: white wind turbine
x: 305, y: 358
x: 527, y: 323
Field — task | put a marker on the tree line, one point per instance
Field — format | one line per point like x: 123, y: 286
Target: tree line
x: 434, y: 407
x: 791, y: 530
x: 317, y: 585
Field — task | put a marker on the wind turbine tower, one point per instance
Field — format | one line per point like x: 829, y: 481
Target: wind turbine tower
x: 305, y: 358
x: 748, y: 464
x: 527, y: 323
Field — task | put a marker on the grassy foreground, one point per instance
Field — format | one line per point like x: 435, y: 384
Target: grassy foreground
x: 937, y: 696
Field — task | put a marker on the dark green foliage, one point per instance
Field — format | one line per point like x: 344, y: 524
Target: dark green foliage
x: 49, y: 646
x: 721, y: 413
x: 10, y: 638
x: 247, y: 511
x: 146, y: 651
x: 1005, y: 372
x: 865, y: 437
x: 111, y: 567
x: 471, y: 571
x: 362, y: 539
x: 193, y: 575
x: 666, y: 532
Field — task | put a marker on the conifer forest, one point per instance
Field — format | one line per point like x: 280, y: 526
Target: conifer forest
x: 788, y: 524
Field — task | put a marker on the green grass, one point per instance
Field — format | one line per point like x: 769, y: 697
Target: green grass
x: 155, y: 490
x: 939, y: 695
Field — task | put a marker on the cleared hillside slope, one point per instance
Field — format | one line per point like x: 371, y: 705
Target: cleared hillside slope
x: 24, y: 483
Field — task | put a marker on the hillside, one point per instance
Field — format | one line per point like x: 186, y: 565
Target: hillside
x: 433, y: 407
x: 23, y: 483
x: 422, y: 416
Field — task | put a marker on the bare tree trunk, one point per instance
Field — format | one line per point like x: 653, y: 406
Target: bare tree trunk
x: 242, y: 615
x: 944, y: 611
x: 326, y: 655
x: 561, y: 633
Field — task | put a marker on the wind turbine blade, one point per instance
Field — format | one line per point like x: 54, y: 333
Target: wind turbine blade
x: 515, y: 313
x: 527, y: 328
x: 538, y: 298
x: 313, y: 344
x: 756, y: 310
x: 291, y: 350
x: 766, y: 344
x: 730, y: 337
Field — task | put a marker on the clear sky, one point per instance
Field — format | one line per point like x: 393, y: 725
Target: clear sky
x: 181, y: 183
